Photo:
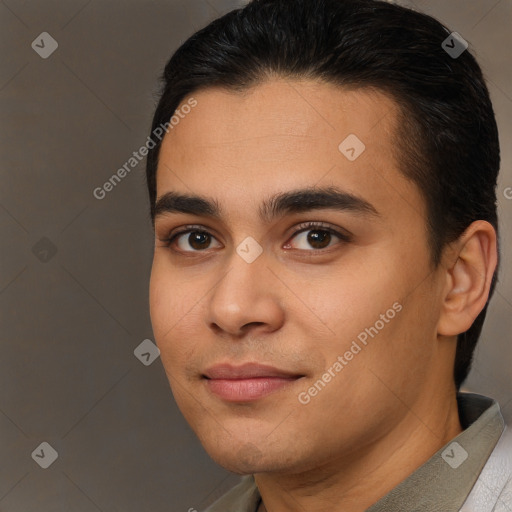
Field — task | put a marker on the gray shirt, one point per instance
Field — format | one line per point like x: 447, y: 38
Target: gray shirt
x: 442, y: 483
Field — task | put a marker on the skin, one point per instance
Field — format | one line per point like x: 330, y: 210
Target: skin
x: 298, y: 307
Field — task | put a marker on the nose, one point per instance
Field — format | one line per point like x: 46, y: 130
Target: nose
x: 247, y: 297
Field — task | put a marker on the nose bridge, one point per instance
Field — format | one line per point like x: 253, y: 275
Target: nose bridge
x: 245, y: 271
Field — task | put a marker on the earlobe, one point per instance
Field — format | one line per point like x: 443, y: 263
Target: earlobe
x: 468, y: 279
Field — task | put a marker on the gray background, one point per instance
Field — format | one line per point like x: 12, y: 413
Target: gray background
x: 75, y: 269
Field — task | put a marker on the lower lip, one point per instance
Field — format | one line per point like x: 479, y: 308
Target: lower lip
x: 246, y: 390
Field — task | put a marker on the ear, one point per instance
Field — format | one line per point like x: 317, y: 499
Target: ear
x: 472, y: 260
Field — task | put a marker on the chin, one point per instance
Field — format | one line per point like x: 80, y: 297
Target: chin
x: 245, y: 458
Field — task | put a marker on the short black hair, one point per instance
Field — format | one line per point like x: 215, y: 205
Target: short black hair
x: 447, y: 139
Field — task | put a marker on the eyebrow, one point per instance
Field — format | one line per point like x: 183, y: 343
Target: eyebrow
x: 279, y: 205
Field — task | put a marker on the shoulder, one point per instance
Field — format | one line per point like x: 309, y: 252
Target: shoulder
x: 492, y: 491
x: 244, y: 497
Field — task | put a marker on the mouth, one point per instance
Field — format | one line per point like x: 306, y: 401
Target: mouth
x: 248, y: 382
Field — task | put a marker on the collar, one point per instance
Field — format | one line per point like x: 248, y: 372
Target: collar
x: 446, y: 479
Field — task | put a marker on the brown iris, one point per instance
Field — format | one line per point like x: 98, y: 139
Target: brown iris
x: 199, y: 240
x: 319, y: 238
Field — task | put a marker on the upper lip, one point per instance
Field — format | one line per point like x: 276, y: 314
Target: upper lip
x: 246, y: 371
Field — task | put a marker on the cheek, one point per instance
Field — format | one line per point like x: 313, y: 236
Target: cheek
x: 161, y: 300
x: 171, y: 310
x: 352, y: 297
x: 370, y: 312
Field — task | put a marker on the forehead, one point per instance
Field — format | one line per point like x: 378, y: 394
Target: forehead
x: 286, y: 114
x: 283, y: 135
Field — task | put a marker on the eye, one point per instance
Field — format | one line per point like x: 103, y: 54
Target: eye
x: 317, y: 236
x: 198, y: 239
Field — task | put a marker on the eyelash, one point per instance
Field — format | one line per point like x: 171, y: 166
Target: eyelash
x: 306, y: 226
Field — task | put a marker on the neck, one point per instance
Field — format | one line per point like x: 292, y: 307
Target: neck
x: 355, y: 482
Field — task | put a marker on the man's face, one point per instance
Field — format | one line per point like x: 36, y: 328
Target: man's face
x: 309, y: 298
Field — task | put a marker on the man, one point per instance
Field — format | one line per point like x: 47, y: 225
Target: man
x: 325, y: 252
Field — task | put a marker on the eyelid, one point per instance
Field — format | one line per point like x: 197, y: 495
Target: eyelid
x: 189, y: 227
x: 322, y: 226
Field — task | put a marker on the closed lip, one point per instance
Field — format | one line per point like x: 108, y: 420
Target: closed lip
x: 248, y: 371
